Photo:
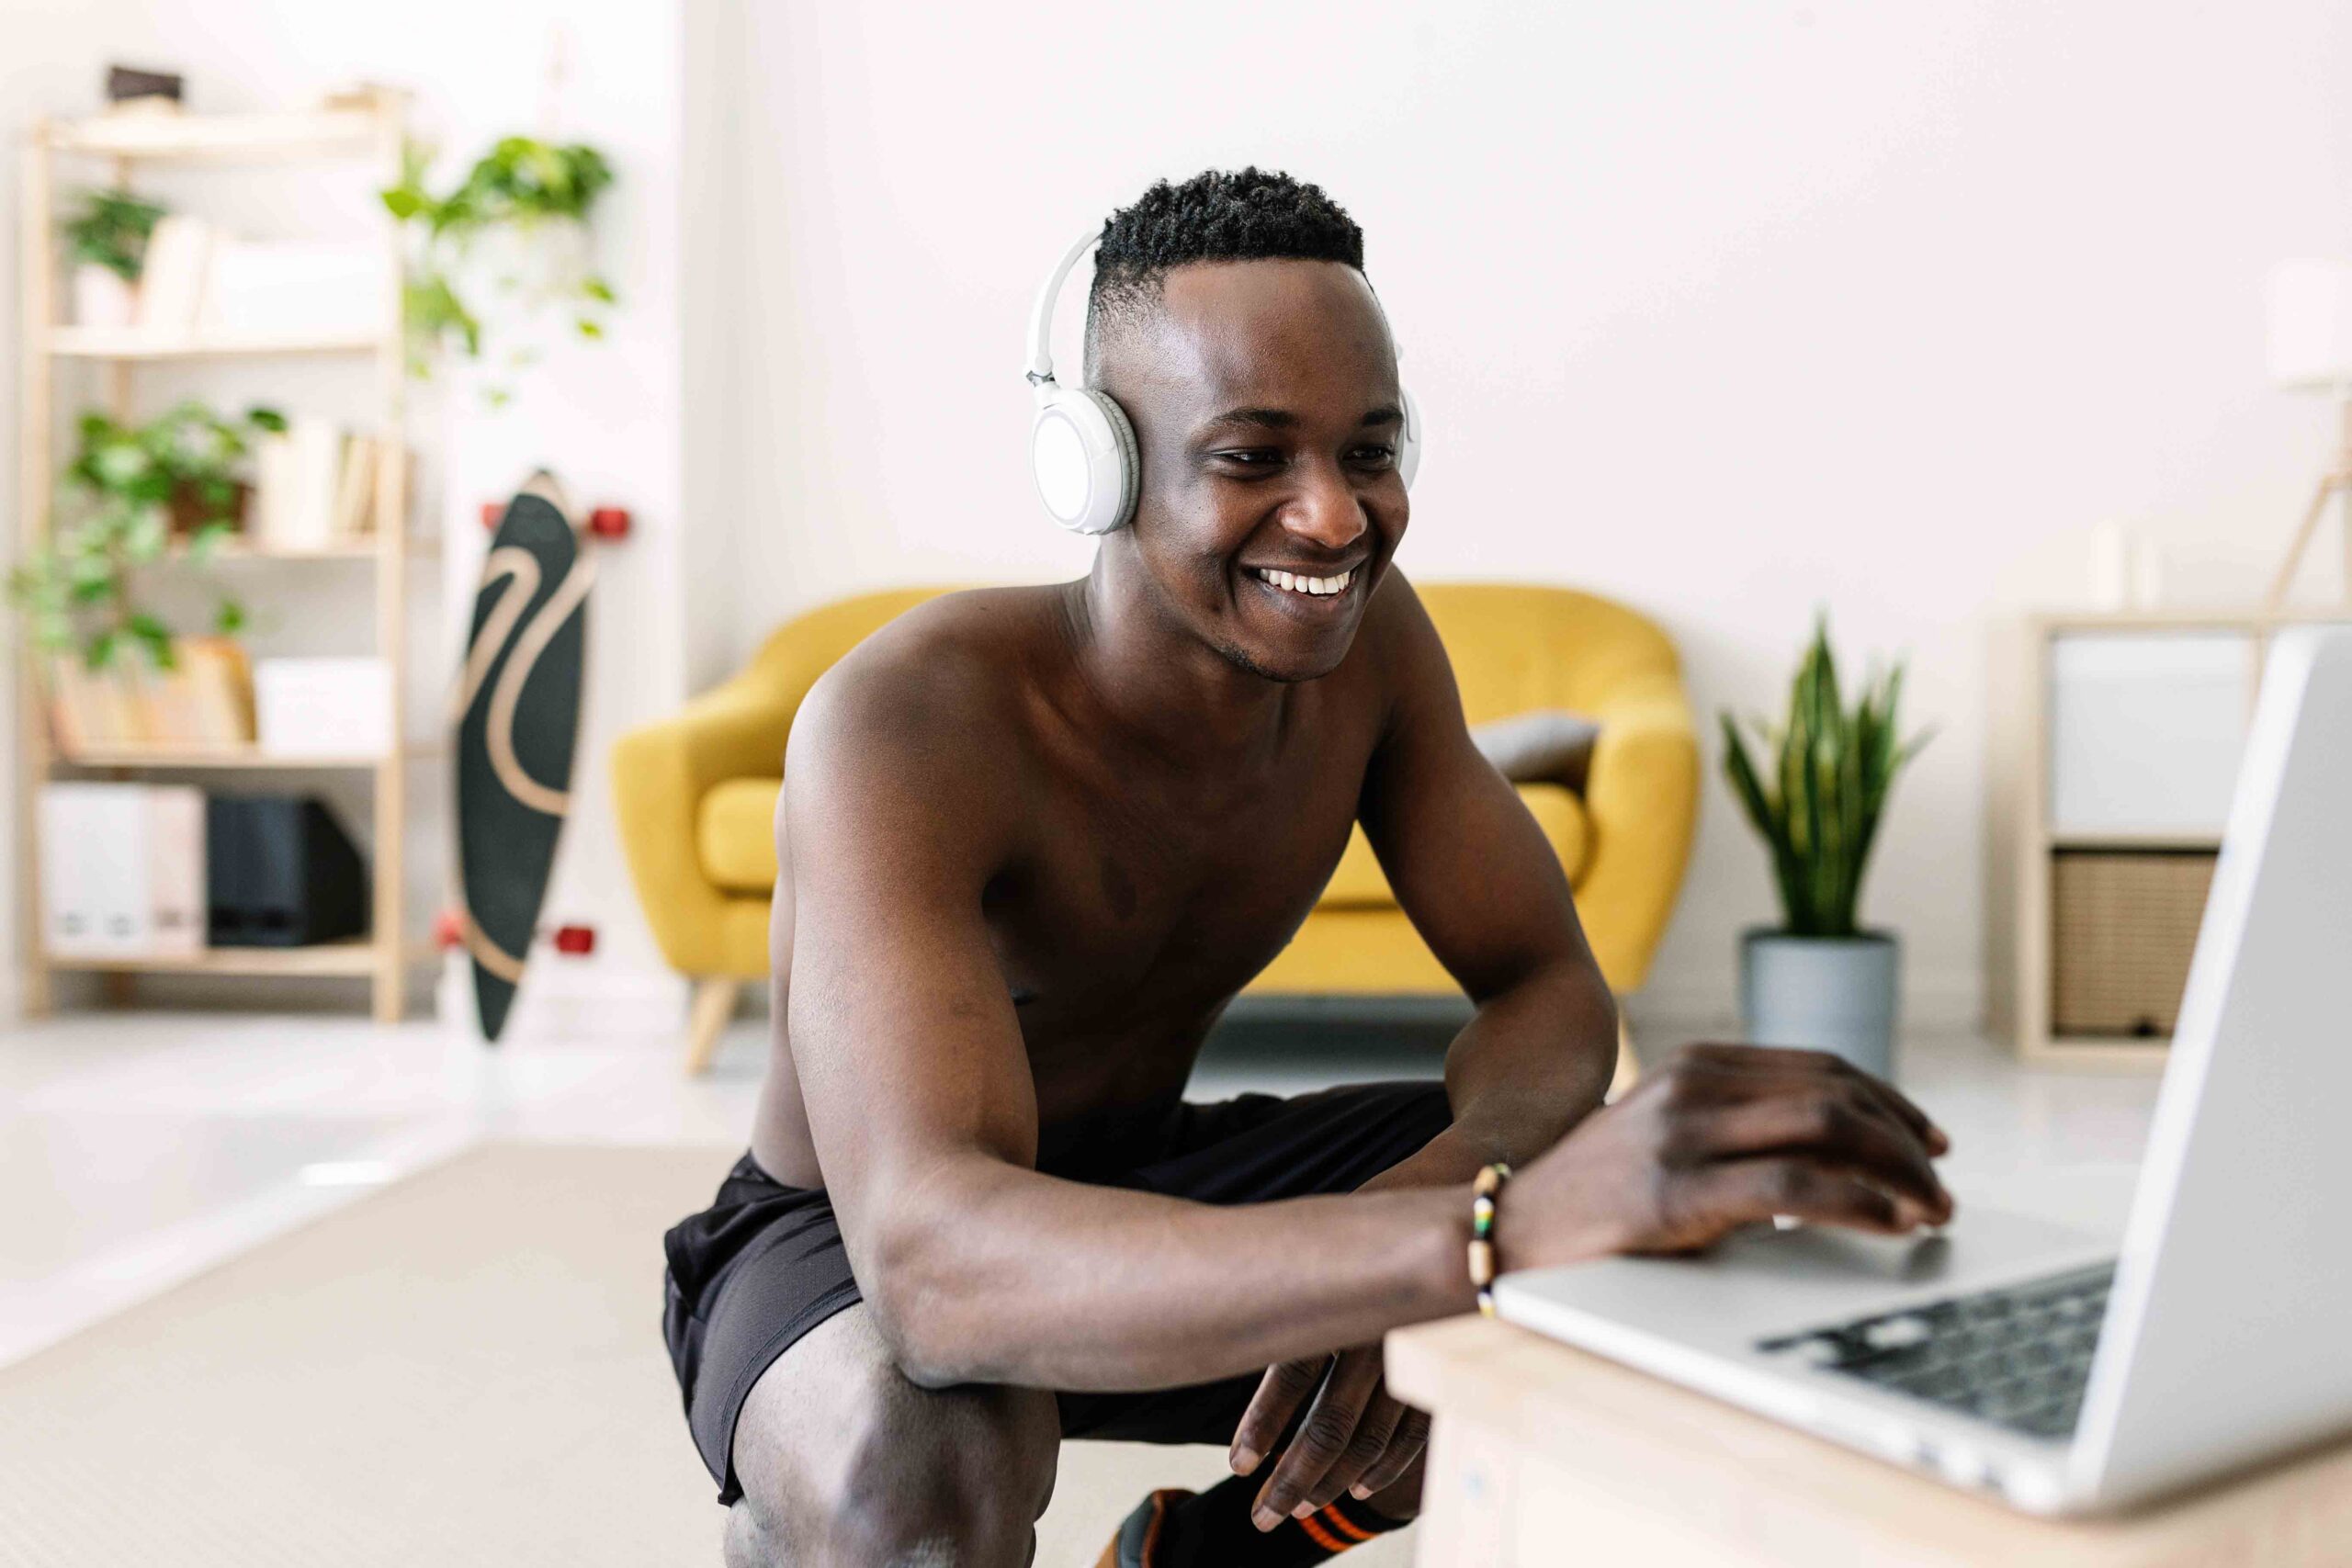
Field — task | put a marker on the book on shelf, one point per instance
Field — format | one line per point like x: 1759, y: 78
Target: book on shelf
x: 175, y: 870
x: 205, y: 703
x: 354, y: 490
x: 315, y: 485
x: 171, y: 277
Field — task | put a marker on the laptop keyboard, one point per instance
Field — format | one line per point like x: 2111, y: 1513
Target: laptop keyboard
x: 2018, y: 1356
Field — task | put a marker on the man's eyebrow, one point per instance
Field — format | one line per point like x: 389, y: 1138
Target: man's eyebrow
x: 1263, y: 419
x: 1283, y: 418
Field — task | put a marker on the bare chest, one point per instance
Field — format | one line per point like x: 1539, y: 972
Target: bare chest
x: 1152, y: 903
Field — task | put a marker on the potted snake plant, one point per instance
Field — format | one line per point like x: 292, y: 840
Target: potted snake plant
x: 1816, y: 791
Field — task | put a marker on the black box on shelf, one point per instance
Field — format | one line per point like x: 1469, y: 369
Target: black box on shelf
x: 280, y: 872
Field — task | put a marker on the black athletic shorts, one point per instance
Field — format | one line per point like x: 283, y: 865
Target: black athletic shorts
x: 764, y: 1263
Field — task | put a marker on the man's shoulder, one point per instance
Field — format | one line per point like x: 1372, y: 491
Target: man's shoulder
x: 1400, y: 645
x: 938, y: 687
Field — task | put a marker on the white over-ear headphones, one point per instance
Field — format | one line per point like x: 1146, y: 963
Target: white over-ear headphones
x: 1082, y: 447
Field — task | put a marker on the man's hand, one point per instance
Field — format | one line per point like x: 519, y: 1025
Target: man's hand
x: 1355, y: 1436
x: 1720, y: 1137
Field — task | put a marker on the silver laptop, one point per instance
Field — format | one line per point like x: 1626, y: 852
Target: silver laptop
x: 2013, y: 1356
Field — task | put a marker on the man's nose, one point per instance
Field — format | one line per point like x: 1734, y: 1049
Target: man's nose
x: 1327, y: 513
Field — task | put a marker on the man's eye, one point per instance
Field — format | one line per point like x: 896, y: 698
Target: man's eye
x: 1373, y: 455
x: 1249, y: 457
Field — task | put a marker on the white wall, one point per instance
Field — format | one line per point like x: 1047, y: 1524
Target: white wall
x: 1728, y: 309
x: 608, y: 418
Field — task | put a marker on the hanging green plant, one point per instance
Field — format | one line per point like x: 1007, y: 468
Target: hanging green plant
x: 135, y: 487
x: 111, y: 230
x: 516, y: 226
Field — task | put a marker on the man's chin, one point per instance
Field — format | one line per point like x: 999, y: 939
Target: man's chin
x: 1288, y: 666
x: 1287, y: 640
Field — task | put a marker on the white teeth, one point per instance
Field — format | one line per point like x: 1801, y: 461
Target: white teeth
x: 1297, y: 582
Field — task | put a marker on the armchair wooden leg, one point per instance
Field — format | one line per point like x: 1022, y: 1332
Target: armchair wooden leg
x: 714, y: 1005
x: 1629, y: 1071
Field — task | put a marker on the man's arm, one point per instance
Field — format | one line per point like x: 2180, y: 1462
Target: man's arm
x: 1484, y: 888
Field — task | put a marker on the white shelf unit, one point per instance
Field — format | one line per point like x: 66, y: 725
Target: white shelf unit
x: 2026, y: 839
x: 369, y: 136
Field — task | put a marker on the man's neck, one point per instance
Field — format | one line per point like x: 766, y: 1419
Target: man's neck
x: 1153, y: 680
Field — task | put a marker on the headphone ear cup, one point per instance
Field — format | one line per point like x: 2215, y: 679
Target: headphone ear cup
x: 1408, y: 442
x: 1130, y: 480
x: 1083, y: 454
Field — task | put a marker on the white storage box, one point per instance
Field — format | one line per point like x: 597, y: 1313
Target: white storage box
x: 297, y: 289
x: 2146, y: 730
x: 315, y: 708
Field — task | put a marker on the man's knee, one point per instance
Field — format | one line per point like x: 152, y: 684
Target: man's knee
x: 923, y: 1480
x: 966, y: 1491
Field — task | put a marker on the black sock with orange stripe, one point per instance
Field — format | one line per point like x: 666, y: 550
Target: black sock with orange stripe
x: 1214, y: 1528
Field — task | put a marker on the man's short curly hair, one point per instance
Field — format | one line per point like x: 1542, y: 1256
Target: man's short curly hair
x: 1217, y: 215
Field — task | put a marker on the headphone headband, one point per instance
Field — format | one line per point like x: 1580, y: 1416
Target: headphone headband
x: 1041, y: 318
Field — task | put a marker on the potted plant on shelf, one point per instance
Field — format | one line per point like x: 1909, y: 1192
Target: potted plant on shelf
x: 136, y: 488
x: 108, y: 240
x: 1819, y: 979
x: 515, y: 229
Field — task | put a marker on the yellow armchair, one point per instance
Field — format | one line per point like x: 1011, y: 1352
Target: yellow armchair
x: 695, y: 795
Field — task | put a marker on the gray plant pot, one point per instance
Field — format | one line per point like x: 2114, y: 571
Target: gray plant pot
x: 1838, y: 994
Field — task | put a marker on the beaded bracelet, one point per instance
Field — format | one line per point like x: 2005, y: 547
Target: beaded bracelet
x: 1483, y: 1193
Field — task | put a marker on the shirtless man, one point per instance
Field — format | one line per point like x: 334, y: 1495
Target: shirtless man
x: 1033, y: 843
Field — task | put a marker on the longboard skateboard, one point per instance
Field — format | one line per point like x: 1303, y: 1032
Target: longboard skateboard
x: 517, y: 721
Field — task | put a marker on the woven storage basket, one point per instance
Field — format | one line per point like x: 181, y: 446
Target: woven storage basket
x: 2124, y: 927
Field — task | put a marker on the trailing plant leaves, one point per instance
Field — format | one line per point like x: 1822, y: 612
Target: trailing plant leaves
x: 154, y: 636
x: 1832, y: 771
x: 122, y: 483
x: 205, y: 543
x: 521, y: 184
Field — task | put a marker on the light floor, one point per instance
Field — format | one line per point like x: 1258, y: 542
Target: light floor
x: 137, y: 1148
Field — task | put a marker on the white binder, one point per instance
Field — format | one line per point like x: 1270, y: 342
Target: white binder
x: 176, y: 899
x: 94, y: 870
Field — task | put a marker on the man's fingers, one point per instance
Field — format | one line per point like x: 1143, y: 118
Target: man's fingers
x: 1321, y: 1439
x: 1373, y: 1433
x: 1709, y: 1202
x: 1405, y: 1446
x: 1280, y: 1392
x: 1783, y: 1059
x: 1825, y: 1125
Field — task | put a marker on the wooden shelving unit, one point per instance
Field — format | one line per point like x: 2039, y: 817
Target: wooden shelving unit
x: 119, y: 144
x: 114, y: 343
x: 251, y: 758
x: 2025, y: 844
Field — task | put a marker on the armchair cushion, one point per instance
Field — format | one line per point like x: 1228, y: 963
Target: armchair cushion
x: 735, y: 835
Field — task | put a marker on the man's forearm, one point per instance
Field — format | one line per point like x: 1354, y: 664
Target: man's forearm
x: 1534, y: 1062
x: 1030, y: 1280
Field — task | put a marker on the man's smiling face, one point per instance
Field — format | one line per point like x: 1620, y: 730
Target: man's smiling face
x: 1266, y: 408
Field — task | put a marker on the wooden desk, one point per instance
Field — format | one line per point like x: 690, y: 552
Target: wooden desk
x: 1543, y: 1455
